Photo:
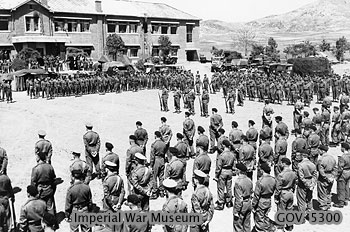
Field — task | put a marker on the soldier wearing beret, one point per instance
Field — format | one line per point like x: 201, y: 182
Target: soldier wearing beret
x: 130, y: 154
x: 175, y: 170
x: 252, y: 134
x: 81, y: 165
x: 202, y: 138
x: 261, y: 203
x: 202, y: 161
x: 335, y: 132
x: 32, y: 211
x: 157, y: 163
x: 43, y: 146
x: 110, y: 156
x: 221, y: 139
x: 215, y: 124
x: 177, y: 98
x: 141, y: 136
x: 326, y: 167
x: 285, y: 187
x: 141, y: 181
x: 183, y: 152
x: 166, y: 132
x: 189, y: 130
x: 280, y: 151
x: 247, y: 156
x: 265, y: 153
x: 202, y: 202
x: 326, y: 123
x: 282, y: 127
x: 313, y: 143
x: 298, y: 145
x: 173, y: 204
x: 43, y: 177
x: 78, y: 198
x: 223, y: 175
x: 92, y: 148
x: 267, y: 112
x: 242, y: 206
x: 343, y: 177
x: 307, y: 177
x: 235, y: 136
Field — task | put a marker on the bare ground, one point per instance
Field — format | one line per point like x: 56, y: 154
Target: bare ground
x: 114, y: 117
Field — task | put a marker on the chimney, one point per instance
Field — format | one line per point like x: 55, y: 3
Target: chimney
x: 98, y: 5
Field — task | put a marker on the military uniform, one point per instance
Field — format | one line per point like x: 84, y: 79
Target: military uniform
x: 242, y: 205
x: 298, y: 145
x: 265, y: 154
x: 31, y: 214
x: 284, y: 195
x: 175, y: 205
x: 205, y: 102
x: 167, y: 134
x: 175, y: 170
x: 252, y: 136
x: 3, y: 161
x: 114, y: 192
x: 44, y: 146
x: 189, y: 130
x: 141, y: 138
x: 223, y: 173
x: 177, y: 97
x: 92, y: 148
x: 235, y: 137
x: 343, y: 178
x: 157, y: 163
x: 112, y: 157
x: 280, y: 152
x: 231, y: 100
x: 203, y: 139
x: 141, y: 182
x: 247, y: 156
x: 202, y: 203
x: 184, y: 152
x: 313, y: 143
x: 326, y: 167
x: 79, y: 198
x: 215, y: 124
x: 264, y: 190
x: 130, y: 156
x: 6, y: 192
x: 307, y: 177
x: 43, y: 177
x: 80, y: 165
x: 202, y: 162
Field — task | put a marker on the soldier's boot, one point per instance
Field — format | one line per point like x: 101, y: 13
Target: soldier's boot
x: 219, y: 206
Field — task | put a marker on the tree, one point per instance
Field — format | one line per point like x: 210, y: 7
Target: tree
x: 216, y: 52
x: 324, y: 46
x: 257, y: 50
x: 28, y: 55
x: 341, y: 47
x: 114, y: 45
x: 245, y: 37
x: 271, y: 50
x: 164, y: 46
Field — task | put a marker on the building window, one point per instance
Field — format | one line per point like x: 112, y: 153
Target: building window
x: 122, y: 28
x: 4, y: 24
x: 173, y: 30
x: 189, y: 30
x: 164, y: 30
x: 173, y: 52
x: 85, y: 26
x: 133, y: 52
x: 32, y: 24
x: 132, y: 28
x: 111, y: 27
x: 155, y: 52
x: 59, y: 25
x: 72, y: 26
x: 155, y: 29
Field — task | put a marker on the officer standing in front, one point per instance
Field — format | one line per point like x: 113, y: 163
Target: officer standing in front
x: 92, y: 148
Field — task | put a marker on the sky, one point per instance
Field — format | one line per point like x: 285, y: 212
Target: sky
x: 234, y: 10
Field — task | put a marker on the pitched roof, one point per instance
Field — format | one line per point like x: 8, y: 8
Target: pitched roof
x: 109, y: 7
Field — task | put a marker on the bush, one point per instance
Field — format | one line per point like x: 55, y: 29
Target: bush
x: 140, y: 65
x: 18, y: 64
x: 310, y: 65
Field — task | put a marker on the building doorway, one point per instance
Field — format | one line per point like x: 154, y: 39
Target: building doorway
x: 192, y: 55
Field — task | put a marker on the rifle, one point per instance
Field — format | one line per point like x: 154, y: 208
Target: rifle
x: 13, y: 216
x: 201, y: 106
x: 160, y: 102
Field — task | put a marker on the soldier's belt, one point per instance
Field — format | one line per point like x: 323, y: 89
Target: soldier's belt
x: 267, y: 196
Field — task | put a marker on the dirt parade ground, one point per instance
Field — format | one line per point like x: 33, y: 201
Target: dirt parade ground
x: 114, y: 116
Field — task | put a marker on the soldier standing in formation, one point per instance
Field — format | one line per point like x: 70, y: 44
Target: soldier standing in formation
x: 111, y: 157
x: 202, y: 202
x: 177, y: 98
x: 80, y: 165
x: 242, y: 206
x: 247, y: 156
x: 157, y: 163
x: 189, y: 130
x: 141, y: 136
x: 175, y: 169
x: 215, y: 124
x: 166, y: 133
x: 173, y: 204
x: 92, y: 148
x: 44, y: 146
x: 343, y: 176
x: 205, y: 102
x: 141, y: 181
